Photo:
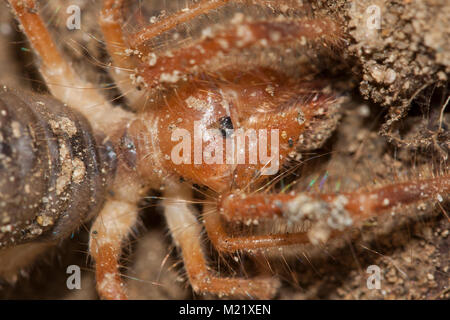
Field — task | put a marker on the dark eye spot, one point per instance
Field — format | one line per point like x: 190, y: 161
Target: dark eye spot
x: 225, y: 126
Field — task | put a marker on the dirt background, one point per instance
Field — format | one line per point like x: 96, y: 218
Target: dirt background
x: 396, y: 80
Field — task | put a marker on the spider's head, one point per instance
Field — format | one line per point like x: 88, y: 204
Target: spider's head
x: 238, y: 128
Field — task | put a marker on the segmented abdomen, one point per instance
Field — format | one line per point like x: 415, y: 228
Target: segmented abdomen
x: 53, y: 171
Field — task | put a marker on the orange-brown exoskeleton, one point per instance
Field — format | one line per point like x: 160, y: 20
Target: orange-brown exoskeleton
x: 227, y: 125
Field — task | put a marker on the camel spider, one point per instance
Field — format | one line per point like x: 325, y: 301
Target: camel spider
x: 184, y: 93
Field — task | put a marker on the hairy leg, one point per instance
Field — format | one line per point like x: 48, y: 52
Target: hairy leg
x: 332, y: 212
x: 195, y: 10
x: 172, y: 66
x: 110, y: 229
x: 136, y: 65
x: 59, y: 76
x: 360, y: 204
x: 224, y: 242
x: 124, y: 61
x: 186, y: 233
x: 149, y: 32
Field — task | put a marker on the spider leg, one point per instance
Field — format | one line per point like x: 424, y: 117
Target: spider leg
x: 195, y: 10
x: 360, y: 204
x: 36, y: 31
x: 110, y: 229
x: 223, y: 242
x: 187, y: 235
x: 240, y: 35
x: 339, y: 211
x: 124, y: 62
x: 155, y: 29
x: 122, y: 52
x: 59, y: 76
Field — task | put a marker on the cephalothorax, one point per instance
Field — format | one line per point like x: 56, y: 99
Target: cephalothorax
x: 188, y: 124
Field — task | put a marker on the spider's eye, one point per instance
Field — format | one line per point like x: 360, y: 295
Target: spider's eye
x: 226, y: 126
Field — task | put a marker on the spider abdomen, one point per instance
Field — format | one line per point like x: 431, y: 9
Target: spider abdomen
x: 53, y: 173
